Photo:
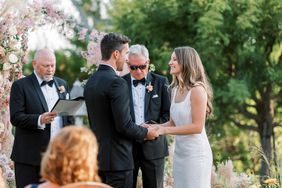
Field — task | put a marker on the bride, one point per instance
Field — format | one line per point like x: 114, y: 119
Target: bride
x: 190, y: 106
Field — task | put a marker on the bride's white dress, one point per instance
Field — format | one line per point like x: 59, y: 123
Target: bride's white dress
x: 192, y: 161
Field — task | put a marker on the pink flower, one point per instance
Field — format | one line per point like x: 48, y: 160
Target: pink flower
x: 9, y: 175
x: 14, y: 29
x: 149, y: 87
x: 62, y: 89
x: 2, y: 52
x: 2, y: 127
x: 94, y: 33
x: 91, y: 46
x: 50, y: 10
x: 93, y: 54
x: 82, y: 33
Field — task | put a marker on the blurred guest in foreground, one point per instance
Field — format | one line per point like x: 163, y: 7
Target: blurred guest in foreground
x: 70, y: 157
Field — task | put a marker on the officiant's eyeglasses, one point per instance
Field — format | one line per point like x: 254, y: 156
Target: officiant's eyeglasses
x: 135, y: 67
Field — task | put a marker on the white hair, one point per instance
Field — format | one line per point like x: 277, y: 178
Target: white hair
x: 139, y: 50
x: 44, y: 53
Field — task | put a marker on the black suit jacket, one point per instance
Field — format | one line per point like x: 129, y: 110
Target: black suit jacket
x: 157, y: 106
x: 27, y: 102
x: 107, y: 101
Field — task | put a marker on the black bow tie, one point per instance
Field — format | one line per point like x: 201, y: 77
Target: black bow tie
x: 136, y: 82
x: 50, y: 83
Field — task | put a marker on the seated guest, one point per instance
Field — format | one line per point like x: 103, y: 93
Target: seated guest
x: 70, y: 157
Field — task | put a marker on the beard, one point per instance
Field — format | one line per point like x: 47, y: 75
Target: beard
x: 47, y: 77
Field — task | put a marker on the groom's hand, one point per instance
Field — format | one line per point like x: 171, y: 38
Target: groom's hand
x: 152, y: 133
x: 145, y: 125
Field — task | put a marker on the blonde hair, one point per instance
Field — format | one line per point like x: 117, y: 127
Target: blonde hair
x: 192, y: 73
x: 71, y: 157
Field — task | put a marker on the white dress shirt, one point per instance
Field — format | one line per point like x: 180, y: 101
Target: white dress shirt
x: 51, y: 96
x: 138, y: 96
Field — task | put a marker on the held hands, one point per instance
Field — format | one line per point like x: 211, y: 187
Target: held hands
x: 152, y: 133
x: 161, y: 129
x: 47, y: 117
x: 154, y: 130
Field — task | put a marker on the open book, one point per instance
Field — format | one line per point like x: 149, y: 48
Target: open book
x: 68, y: 107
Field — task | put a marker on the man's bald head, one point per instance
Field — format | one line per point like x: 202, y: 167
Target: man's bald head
x: 44, y: 64
x: 44, y: 54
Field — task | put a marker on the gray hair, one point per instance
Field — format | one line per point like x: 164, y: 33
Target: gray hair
x: 139, y: 50
x: 45, y: 52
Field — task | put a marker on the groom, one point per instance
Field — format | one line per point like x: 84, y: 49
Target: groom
x: 107, y: 101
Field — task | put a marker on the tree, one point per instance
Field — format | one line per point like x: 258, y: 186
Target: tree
x: 239, y: 43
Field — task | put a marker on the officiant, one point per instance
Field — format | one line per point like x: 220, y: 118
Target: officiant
x: 31, y: 100
x: 149, y: 102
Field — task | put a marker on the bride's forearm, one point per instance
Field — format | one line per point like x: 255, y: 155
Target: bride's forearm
x: 170, y: 123
x: 183, y: 130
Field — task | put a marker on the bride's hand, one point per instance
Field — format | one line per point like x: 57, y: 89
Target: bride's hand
x: 161, y: 129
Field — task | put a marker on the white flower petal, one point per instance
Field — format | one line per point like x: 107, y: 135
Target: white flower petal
x: 2, y: 127
x: 7, y: 66
x: 13, y: 58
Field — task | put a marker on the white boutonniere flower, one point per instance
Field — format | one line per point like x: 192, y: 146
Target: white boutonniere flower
x: 149, y: 87
x: 62, y: 89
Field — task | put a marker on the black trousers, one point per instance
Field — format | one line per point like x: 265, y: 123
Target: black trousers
x: 152, y: 171
x: 117, y: 179
x: 26, y: 174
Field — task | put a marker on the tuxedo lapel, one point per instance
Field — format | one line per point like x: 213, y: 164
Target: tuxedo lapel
x: 128, y: 80
x: 39, y: 92
x: 148, y: 95
x: 61, y: 94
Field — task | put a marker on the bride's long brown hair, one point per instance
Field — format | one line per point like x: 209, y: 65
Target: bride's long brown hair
x: 192, y: 73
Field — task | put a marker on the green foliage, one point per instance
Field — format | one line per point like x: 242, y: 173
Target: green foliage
x: 234, y: 144
x: 237, y: 92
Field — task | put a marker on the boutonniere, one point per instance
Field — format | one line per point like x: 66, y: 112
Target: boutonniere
x: 149, y: 87
x: 62, y: 89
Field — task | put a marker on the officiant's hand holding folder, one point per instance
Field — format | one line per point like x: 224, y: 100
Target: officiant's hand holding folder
x: 68, y: 107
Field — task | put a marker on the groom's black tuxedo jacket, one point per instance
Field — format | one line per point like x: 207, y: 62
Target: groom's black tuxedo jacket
x: 107, y: 101
x: 157, y: 106
x: 27, y: 102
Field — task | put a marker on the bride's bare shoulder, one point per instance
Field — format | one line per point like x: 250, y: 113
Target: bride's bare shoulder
x: 198, y: 91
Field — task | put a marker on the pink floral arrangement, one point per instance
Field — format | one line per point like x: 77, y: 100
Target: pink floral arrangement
x: 93, y: 53
x: 17, y: 19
